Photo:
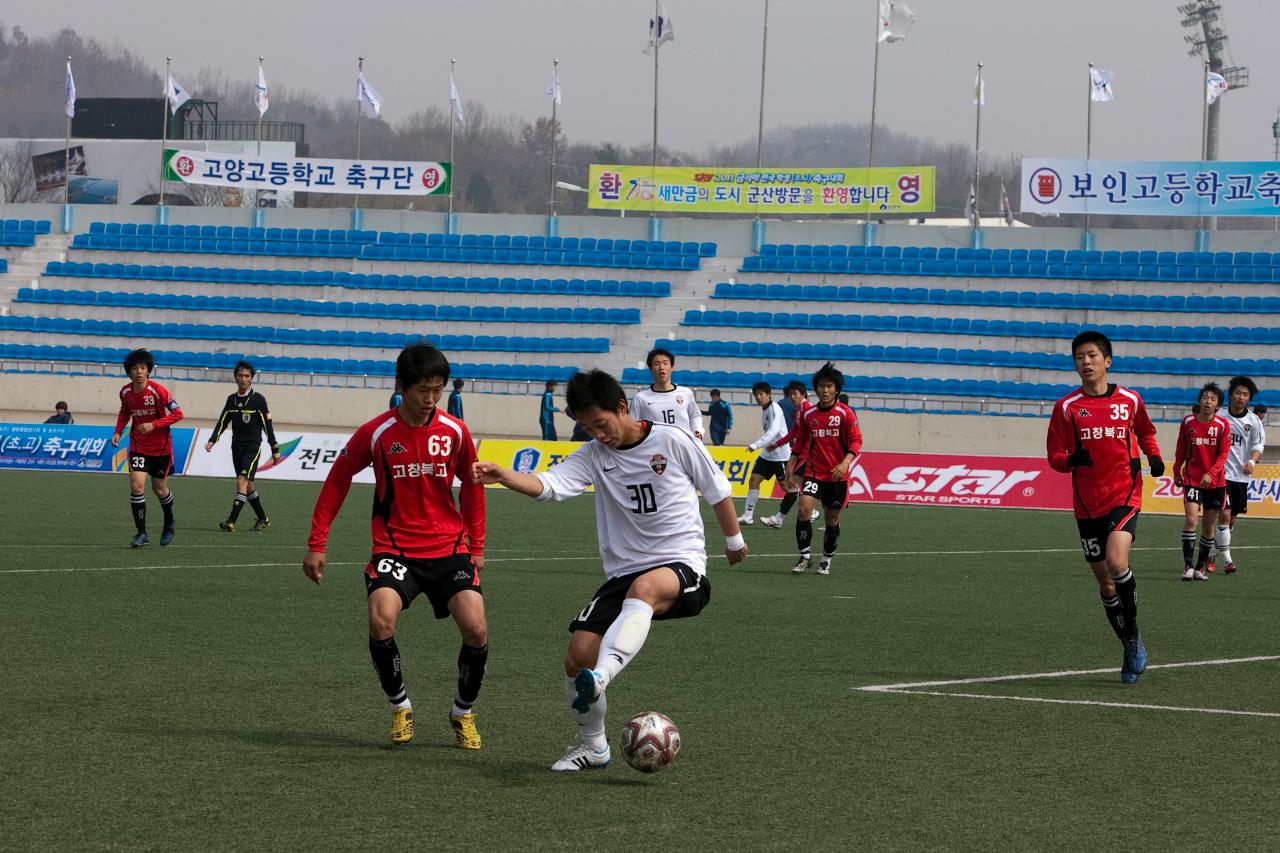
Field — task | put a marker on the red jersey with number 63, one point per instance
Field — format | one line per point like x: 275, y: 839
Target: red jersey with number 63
x: 152, y: 405
x: 824, y: 437
x: 1202, y: 448
x: 1113, y: 427
x: 414, y: 513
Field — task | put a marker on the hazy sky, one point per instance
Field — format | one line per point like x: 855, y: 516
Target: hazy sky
x: 1036, y: 54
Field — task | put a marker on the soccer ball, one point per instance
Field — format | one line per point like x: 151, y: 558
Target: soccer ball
x: 650, y: 741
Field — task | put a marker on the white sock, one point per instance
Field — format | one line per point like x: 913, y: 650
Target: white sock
x: 749, y: 509
x: 590, y: 724
x: 403, y: 703
x: 624, y: 638
x: 1223, y: 542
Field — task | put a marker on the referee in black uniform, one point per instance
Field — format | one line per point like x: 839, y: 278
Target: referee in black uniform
x: 246, y: 412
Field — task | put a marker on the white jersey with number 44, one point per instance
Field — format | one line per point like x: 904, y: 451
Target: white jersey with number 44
x: 675, y: 408
x: 647, y: 511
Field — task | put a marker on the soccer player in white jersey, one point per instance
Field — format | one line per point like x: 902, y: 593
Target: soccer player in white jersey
x: 1248, y: 439
x: 647, y: 477
x: 772, y: 462
x: 664, y: 402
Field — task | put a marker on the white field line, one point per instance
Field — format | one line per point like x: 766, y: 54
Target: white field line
x: 1134, y: 705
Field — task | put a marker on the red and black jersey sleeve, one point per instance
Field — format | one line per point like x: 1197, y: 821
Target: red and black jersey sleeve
x: 353, y: 458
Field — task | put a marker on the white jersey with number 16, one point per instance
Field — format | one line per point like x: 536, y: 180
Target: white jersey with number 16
x: 675, y: 407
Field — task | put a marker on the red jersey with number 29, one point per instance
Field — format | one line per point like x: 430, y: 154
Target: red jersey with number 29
x: 824, y: 437
x: 152, y: 405
x: 414, y: 513
x: 1202, y: 448
x: 1113, y: 427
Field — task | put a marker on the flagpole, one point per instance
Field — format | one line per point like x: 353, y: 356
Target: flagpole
x: 977, y: 152
x: 875, y: 85
x: 1088, y: 144
x: 657, y: 46
x: 66, y: 156
x: 359, y: 118
x: 453, y: 114
x: 164, y: 126
x: 1204, y: 126
x: 555, y: 92
x: 255, y: 83
x: 764, y: 55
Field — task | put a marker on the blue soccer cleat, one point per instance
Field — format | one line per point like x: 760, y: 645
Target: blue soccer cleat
x: 166, y: 536
x: 140, y: 540
x: 590, y: 686
x: 1135, y: 661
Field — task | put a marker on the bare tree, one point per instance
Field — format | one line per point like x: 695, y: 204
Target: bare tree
x: 17, y: 180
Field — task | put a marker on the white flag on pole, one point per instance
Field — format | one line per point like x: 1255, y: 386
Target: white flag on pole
x: 896, y: 20
x: 979, y: 91
x: 260, y: 92
x: 455, y: 101
x: 660, y: 31
x: 971, y: 207
x: 69, y: 96
x: 370, y: 100
x: 1100, y: 81
x: 1004, y: 205
x: 1215, y: 85
x: 176, y: 94
x: 553, y: 88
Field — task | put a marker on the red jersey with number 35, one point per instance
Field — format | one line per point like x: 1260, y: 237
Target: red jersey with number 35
x: 824, y: 437
x: 1113, y: 427
x: 414, y: 513
x: 1202, y: 448
x: 152, y: 405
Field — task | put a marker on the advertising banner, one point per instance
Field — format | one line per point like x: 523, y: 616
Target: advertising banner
x: 50, y: 168
x: 1151, y: 187
x: 946, y: 480
x: 307, y: 174
x: 898, y: 189
x: 304, y: 456
x: 69, y: 447
x: 1162, y: 496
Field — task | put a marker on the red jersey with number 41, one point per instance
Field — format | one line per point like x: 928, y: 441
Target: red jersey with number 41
x: 1113, y: 427
x: 152, y: 405
x: 1202, y: 448
x: 414, y: 513
x: 824, y: 437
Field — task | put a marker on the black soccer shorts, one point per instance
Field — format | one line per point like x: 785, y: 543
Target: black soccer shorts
x: 831, y: 494
x: 1094, y: 531
x: 244, y: 457
x: 768, y: 469
x: 604, y: 607
x: 439, y: 578
x: 158, y: 467
x: 1238, y: 497
x: 1207, y: 498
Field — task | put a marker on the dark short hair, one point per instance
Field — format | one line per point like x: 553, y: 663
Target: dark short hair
x: 457, y: 383
x: 657, y: 351
x: 843, y: 398
x: 796, y: 385
x: 1213, y: 387
x: 1242, y: 382
x: 419, y: 362
x: 593, y: 388
x: 715, y: 392
x: 762, y: 386
x: 61, y: 404
x: 245, y: 365
x: 1260, y: 409
x: 1091, y: 336
x: 828, y: 373
x: 551, y: 384
x: 140, y: 356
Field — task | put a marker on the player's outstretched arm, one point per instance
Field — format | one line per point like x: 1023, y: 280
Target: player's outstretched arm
x: 313, y: 566
x: 735, y: 549
x: 490, y: 473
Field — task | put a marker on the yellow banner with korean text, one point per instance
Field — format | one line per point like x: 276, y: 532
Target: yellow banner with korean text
x: 889, y: 189
x: 535, y: 457
x: 1161, y: 496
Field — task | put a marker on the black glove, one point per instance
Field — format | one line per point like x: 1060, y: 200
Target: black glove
x: 1157, y: 466
x: 1080, y: 459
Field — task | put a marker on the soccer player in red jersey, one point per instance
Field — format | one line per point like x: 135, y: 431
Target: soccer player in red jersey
x: 796, y: 395
x: 423, y: 542
x: 1095, y: 434
x: 152, y: 410
x: 1199, y: 467
x: 827, y: 440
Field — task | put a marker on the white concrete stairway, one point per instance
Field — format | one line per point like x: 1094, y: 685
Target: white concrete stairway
x: 27, y: 264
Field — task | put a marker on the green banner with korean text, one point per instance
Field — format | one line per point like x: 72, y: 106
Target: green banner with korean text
x: 307, y: 174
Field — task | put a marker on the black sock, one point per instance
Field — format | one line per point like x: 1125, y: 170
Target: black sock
x: 1188, y: 546
x: 829, y: 540
x: 138, y: 506
x: 788, y: 500
x: 1127, y: 592
x: 256, y: 503
x: 471, y: 663
x: 386, y: 660
x: 804, y: 535
x: 1205, y: 545
x: 166, y: 504
x: 1115, y: 614
x: 236, y: 506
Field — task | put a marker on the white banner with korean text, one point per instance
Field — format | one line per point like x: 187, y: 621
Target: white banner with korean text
x: 307, y: 174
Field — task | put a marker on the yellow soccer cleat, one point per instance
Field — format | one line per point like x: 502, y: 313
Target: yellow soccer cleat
x: 401, y: 725
x: 464, y: 729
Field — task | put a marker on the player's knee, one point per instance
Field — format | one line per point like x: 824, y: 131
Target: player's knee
x: 382, y: 623
x: 575, y: 663
x: 475, y: 634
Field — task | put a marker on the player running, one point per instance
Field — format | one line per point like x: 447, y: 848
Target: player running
x: 797, y: 396
x: 647, y: 477
x: 247, y: 414
x: 1248, y: 440
x: 664, y: 402
x: 828, y: 439
x: 152, y: 410
x: 1203, y: 442
x: 772, y: 462
x: 423, y: 542
x: 1095, y: 434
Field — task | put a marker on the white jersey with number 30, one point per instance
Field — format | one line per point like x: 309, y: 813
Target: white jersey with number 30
x: 646, y: 498
x: 675, y: 407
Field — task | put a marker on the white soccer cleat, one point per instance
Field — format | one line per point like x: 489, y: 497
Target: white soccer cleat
x: 813, y: 516
x: 582, y: 757
x: 1188, y: 574
x: 774, y: 521
x: 746, y: 520
x: 1200, y: 575
x: 801, y: 566
x: 824, y: 566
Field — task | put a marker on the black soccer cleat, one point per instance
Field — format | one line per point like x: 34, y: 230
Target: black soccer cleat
x: 229, y: 526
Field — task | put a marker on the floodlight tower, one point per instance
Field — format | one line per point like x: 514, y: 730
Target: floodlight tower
x: 1202, y: 18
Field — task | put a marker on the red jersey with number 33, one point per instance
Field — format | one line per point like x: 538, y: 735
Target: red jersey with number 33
x: 824, y: 437
x: 1113, y: 427
x: 152, y: 405
x: 414, y: 513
